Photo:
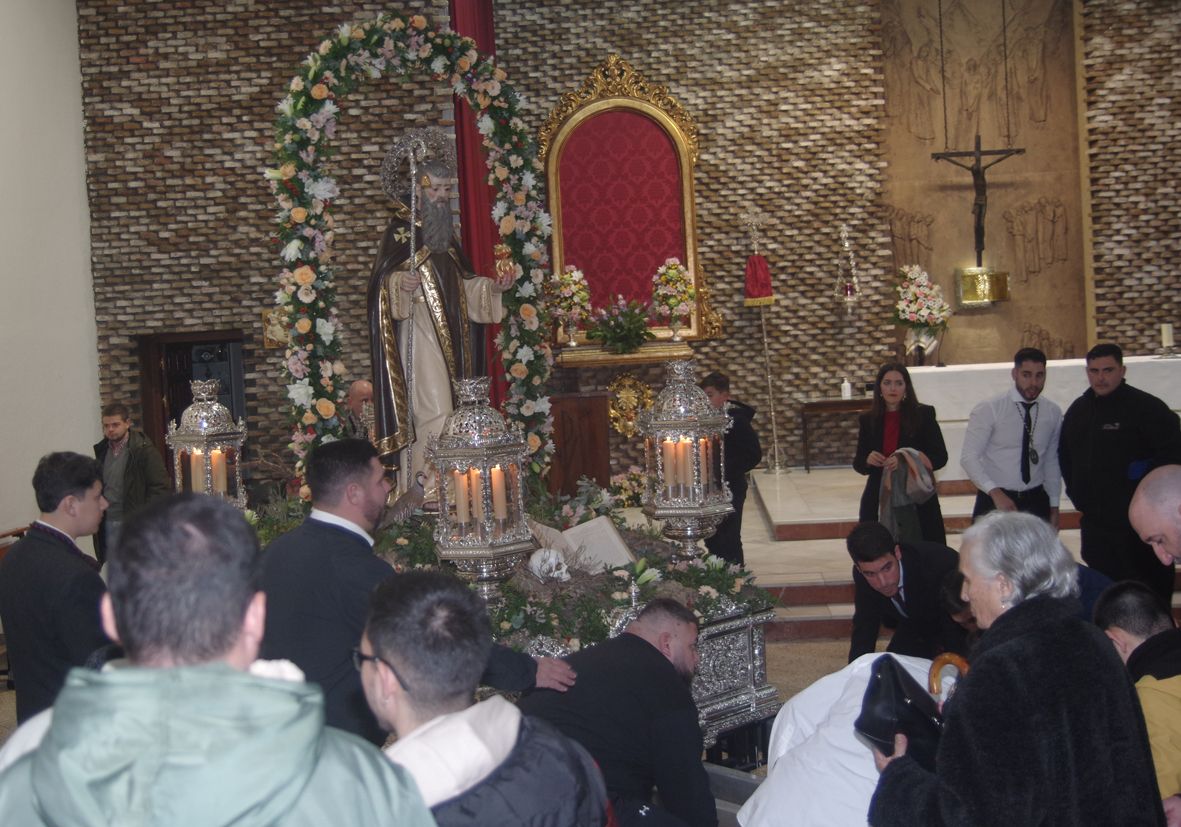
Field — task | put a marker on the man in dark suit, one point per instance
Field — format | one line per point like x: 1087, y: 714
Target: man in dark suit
x: 49, y: 589
x: 743, y: 453
x: 318, y: 578
x: 897, y: 585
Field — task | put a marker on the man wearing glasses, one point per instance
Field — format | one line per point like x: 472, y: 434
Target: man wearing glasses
x: 420, y: 660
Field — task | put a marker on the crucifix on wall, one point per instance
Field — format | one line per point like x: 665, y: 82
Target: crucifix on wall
x: 977, y: 168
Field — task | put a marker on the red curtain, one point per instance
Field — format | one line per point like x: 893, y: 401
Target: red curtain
x: 473, y: 18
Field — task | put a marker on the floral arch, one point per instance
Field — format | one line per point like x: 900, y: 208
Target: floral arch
x: 402, y: 45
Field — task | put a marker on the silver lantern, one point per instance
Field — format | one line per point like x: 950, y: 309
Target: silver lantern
x: 684, y: 458
x: 478, y: 458
x: 207, y: 447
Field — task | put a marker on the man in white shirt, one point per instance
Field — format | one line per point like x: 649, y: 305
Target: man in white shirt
x: 1011, y: 445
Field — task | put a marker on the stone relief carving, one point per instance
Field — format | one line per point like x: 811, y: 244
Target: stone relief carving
x: 910, y: 234
x: 1038, y: 234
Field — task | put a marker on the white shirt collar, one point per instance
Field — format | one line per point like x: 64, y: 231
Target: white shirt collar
x: 337, y: 520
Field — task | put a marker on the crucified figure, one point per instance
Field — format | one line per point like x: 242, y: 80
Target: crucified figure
x: 977, y: 168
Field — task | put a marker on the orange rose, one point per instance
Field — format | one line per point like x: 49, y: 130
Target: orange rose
x: 305, y: 493
x: 418, y: 21
x: 508, y: 224
x: 501, y: 172
x: 534, y: 442
x: 358, y: 33
x: 396, y: 25
x: 309, y: 418
x: 518, y: 370
x: 287, y: 171
x: 304, y: 275
x: 299, y: 215
x: 519, y: 198
x: 463, y: 64
x: 528, y: 311
x: 325, y: 407
x: 500, y: 74
x: 303, y: 325
x: 319, y: 91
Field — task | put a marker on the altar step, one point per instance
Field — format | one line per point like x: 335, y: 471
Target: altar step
x: 793, y: 533
x: 823, y: 504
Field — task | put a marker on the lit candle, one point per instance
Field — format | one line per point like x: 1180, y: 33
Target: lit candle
x: 197, y: 470
x: 668, y: 454
x: 499, y: 504
x: 705, y: 463
x: 218, y: 460
x: 686, y: 461
x: 462, y: 512
x: 1166, y: 335
x: 477, y: 495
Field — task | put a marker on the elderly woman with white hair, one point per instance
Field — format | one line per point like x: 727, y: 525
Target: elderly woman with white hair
x: 1045, y: 728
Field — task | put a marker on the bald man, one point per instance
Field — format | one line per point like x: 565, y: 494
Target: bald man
x: 1155, y: 512
x: 359, y: 393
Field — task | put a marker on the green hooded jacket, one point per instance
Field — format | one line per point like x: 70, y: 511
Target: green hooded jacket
x: 202, y: 745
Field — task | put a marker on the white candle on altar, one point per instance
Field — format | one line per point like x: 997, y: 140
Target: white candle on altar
x: 477, y: 495
x: 499, y: 503
x: 218, y: 461
x: 1166, y: 335
x: 463, y: 513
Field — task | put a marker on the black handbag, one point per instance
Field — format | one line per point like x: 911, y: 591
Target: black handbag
x: 896, y: 702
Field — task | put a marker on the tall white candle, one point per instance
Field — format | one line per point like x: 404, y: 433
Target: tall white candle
x: 477, y: 495
x: 462, y: 512
x: 668, y: 455
x: 499, y: 503
x: 218, y: 461
x: 197, y: 470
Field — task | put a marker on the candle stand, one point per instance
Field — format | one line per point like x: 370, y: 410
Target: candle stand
x: 207, y: 446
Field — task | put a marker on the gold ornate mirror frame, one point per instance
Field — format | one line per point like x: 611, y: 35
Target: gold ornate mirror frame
x: 616, y: 86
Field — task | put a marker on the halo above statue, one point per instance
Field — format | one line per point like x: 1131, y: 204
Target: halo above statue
x: 416, y: 145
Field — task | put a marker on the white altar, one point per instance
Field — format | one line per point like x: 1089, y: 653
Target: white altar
x: 954, y: 390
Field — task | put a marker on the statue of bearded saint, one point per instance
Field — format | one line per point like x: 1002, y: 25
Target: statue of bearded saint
x: 445, y: 303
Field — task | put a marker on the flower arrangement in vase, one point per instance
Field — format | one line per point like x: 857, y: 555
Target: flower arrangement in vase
x: 621, y: 326
x: 921, y: 309
x: 569, y: 301
x: 673, y: 294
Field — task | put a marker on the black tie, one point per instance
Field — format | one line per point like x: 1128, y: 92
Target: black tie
x: 1026, y: 438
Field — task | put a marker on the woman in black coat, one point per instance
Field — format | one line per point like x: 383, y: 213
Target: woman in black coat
x: 897, y: 420
x: 1045, y: 728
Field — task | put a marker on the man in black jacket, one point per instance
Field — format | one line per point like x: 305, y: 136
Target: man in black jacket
x: 1112, y: 436
x: 743, y: 453
x: 634, y: 712
x: 318, y: 578
x: 426, y: 641
x: 898, y: 585
x: 49, y: 589
x: 133, y: 474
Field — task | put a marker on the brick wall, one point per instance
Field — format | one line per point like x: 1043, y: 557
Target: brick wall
x: 788, y: 99
x: 179, y: 103
x: 1133, y: 87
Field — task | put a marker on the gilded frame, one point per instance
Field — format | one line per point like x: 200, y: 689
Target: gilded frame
x: 611, y: 86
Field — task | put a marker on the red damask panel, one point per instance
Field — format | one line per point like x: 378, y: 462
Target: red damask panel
x: 622, y: 213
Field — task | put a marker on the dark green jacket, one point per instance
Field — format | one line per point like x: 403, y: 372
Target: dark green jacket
x: 145, y: 478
